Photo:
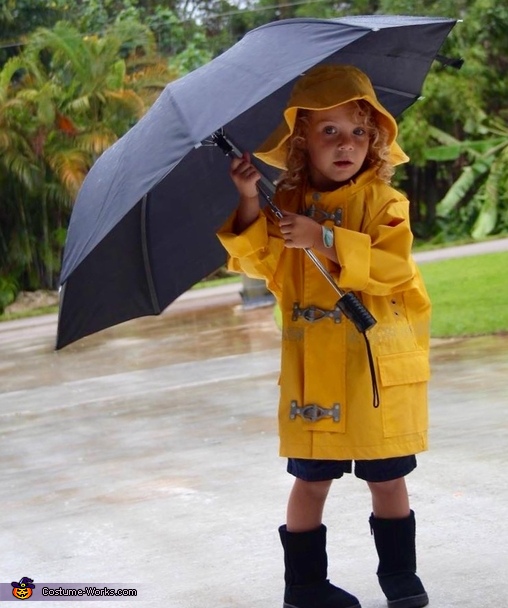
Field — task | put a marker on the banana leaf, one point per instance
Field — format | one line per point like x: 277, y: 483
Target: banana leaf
x: 463, y: 185
x: 453, y: 151
x: 487, y: 218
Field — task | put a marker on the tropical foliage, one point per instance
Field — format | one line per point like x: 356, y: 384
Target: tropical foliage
x: 63, y: 101
x: 68, y: 91
x: 483, y: 181
x: 455, y: 135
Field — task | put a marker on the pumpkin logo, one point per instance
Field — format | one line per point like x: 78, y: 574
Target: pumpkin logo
x: 24, y: 589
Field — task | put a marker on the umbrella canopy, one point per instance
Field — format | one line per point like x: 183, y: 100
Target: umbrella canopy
x: 143, y: 227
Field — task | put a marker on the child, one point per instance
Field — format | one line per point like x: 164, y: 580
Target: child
x: 337, y: 146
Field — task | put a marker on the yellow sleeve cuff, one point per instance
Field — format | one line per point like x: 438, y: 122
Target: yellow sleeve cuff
x: 252, y: 239
x: 353, y: 253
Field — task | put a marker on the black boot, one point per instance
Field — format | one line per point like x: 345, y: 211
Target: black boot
x: 306, y: 570
x: 395, y: 544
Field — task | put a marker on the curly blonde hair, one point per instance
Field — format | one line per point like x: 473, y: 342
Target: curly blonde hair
x: 378, y: 154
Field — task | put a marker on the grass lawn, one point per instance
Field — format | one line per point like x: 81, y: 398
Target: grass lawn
x: 469, y: 295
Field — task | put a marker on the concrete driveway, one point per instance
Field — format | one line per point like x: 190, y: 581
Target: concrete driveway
x: 146, y: 456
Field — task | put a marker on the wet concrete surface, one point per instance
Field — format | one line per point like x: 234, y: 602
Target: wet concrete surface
x: 147, y: 455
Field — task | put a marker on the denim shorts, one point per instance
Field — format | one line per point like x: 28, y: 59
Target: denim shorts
x: 384, y: 469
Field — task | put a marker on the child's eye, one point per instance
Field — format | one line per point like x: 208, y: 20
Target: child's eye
x: 329, y: 130
x: 359, y: 131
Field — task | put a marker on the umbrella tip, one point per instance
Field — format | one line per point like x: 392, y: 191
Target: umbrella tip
x: 453, y: 62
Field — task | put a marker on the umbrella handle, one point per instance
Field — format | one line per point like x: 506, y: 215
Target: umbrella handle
x: 348, y: 303
x: 221, y: 140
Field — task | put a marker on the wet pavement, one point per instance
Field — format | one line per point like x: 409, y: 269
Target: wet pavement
x: 147, y: 455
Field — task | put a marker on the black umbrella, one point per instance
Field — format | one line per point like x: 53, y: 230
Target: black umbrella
x: 143, y: 227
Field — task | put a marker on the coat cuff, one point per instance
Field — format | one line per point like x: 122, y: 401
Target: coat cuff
x: 249, y: 241
x: 353, y: 253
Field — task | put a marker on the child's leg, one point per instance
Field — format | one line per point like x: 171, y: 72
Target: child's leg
x: 389, y: 498
x: 393, y: 525
x: 304, y: 538
x: 306, y: 504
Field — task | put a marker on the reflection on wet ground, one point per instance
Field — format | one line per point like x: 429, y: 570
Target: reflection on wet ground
x: 150, y: 451
x: 28, y: 359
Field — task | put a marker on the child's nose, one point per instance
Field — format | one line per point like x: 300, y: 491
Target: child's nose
x: 345, y: 142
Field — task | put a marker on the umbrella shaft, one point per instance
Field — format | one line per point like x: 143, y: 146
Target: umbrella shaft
x: 310, y: 253
x: 267, y: 190
x: 350, y: 305
x: 323, y: 271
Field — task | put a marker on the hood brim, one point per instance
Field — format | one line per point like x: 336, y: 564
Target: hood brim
x: 322, y: 88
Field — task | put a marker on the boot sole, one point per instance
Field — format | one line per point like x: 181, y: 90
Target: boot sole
x: 284, y: 605
x: 416, y: 601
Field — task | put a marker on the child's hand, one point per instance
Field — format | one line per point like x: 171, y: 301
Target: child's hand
x: 299, y: 231
x: 245, y: 176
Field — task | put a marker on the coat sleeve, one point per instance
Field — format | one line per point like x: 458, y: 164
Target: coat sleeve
x: 378, y: 261
x: 256, y: 251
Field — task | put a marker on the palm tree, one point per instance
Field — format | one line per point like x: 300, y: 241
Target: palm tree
x: 19, y: 172
x: 68, y: 98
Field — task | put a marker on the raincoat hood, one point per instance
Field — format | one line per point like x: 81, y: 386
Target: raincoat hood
x: 322, y: 88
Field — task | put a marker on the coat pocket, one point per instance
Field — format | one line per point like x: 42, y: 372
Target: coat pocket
x: 403, y: 379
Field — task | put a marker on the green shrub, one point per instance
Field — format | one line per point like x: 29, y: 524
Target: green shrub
x: 8, y: 292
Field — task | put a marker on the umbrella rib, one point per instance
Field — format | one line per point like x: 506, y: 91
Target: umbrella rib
x: 395, y: 91
x: 146, y: 258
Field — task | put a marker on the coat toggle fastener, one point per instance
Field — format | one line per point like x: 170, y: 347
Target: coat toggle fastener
x: 314, y: 412
x: 314, y: 313
x: 320, y: 215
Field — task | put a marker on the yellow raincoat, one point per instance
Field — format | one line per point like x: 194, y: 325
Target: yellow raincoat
x: 324, y: 362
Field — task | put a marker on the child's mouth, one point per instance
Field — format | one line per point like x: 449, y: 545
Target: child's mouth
x: 342, y: 163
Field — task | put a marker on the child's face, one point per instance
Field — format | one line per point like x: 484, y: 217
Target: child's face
x: 337, y: 145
